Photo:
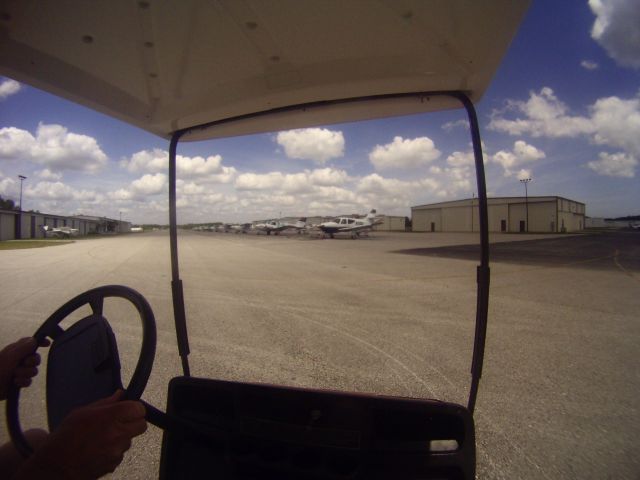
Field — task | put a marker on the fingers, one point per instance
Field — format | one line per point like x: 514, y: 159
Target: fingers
x: 129, y: 411
x: 24, y: 347
x: 114, y: 398
x: 31, y: 361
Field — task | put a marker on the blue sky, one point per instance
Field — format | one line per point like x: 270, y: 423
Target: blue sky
x: 563, y: 109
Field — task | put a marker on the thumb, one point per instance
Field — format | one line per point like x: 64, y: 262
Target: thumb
x: 114, y: 398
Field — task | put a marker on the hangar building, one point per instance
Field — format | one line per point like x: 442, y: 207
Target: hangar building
x: 16, y: 225
x: 391, y: 223
x: 506, y: 214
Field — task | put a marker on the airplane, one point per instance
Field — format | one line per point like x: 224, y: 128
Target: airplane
x: 354, y: 226
x: 60, y: 232
x: 236, y: 227
x: 276, y: 226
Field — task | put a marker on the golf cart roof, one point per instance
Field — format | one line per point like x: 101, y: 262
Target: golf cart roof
x: 166, y: 66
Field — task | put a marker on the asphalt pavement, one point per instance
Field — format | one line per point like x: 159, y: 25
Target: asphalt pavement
x: 558, y: 398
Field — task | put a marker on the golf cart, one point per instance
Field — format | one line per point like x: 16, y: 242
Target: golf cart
x: 198, y: 69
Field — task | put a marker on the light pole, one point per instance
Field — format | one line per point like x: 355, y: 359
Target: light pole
x: 22, y: 179
x: 120, y: 224
x: 473, y: 196
x: 526, y: 201
x: 19, y: 225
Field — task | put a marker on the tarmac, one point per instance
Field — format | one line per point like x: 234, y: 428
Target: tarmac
x: 392, y: 313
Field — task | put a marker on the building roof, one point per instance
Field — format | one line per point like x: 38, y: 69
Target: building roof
x: 495, y: 200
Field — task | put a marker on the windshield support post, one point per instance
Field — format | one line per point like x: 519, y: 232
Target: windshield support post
x: 177, y: 292
x: 483, y: 271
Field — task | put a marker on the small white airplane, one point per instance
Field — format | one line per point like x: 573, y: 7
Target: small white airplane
x: 237, y: 227
x: 354, y: 226
x: 276, y: 226
x: 60, y: 232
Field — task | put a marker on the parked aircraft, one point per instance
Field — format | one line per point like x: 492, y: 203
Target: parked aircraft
x: 60, y: 232
x: 354, y: 226
x: 276, y: 226
x: 237, y: 227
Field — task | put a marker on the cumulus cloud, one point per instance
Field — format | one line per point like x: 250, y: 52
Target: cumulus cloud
x: 317, y: 144
x: 612, y: 122
x: 544, y: 115
x: 60, y: 192
x: 8, y: 87
x: 208, y: 169
x: 461, y: 159
x: 616, y: 29
x: 522, y: 153
x: 149, y: 184
x: 54, y: 147
x: 144, y: 187
x: 292, y: 182
x: 7, y: 186
x: 450, y: 126
x: 47, y: 174
x: 617, y: 123
x: 404, y: 153
x: 614, y: 165
x: 589, y: 65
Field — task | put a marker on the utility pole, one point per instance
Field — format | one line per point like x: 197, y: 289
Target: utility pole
x: 18, y: 229
x: 473, y: 196
x: 526, y: 201
x: 22, y: 179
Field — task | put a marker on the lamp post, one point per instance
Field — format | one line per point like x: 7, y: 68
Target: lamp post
x: 19, y: 225
x: 526, y: 201
x: 473, y: 196
x: 22, y: 179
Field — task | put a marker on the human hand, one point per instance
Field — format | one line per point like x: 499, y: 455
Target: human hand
x: 90, y: 442
x: 19, y: 364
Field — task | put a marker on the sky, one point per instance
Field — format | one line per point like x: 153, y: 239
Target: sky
x: 563, y: 110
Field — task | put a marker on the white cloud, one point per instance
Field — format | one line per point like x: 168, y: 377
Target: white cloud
x: 522, y: 153
x: 208, y: 169
x: 616, y: 29
x: 303, y: 182
x: 317, y: 144
x: 404, y: 153
x: 8, y: 186
x: 328, y: 176
x: 8, y: 87
x: 523, y: 174
x: 545, y: 115
x: 589, y: 65
x: 54, y: 147
x: 617, y: 123
x: 59, y: 192
x: 614, y: 165
x: 461, y: 159
x: 612, y: 121
x: 149, y: 184
x: 150, y: 161
x: 450, y: 126
x: 47, y: 174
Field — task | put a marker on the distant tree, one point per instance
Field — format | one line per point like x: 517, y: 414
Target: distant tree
x: 7, y: 204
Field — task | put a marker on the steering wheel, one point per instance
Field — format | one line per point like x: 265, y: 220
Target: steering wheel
x: 51, y: 328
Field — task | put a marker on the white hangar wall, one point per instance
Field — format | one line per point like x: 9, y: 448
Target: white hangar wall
x: 506, y: 214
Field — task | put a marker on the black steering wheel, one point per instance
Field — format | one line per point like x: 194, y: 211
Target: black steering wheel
x: 51, y: 329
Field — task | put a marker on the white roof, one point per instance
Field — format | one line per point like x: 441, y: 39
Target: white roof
x: 168, y: 65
